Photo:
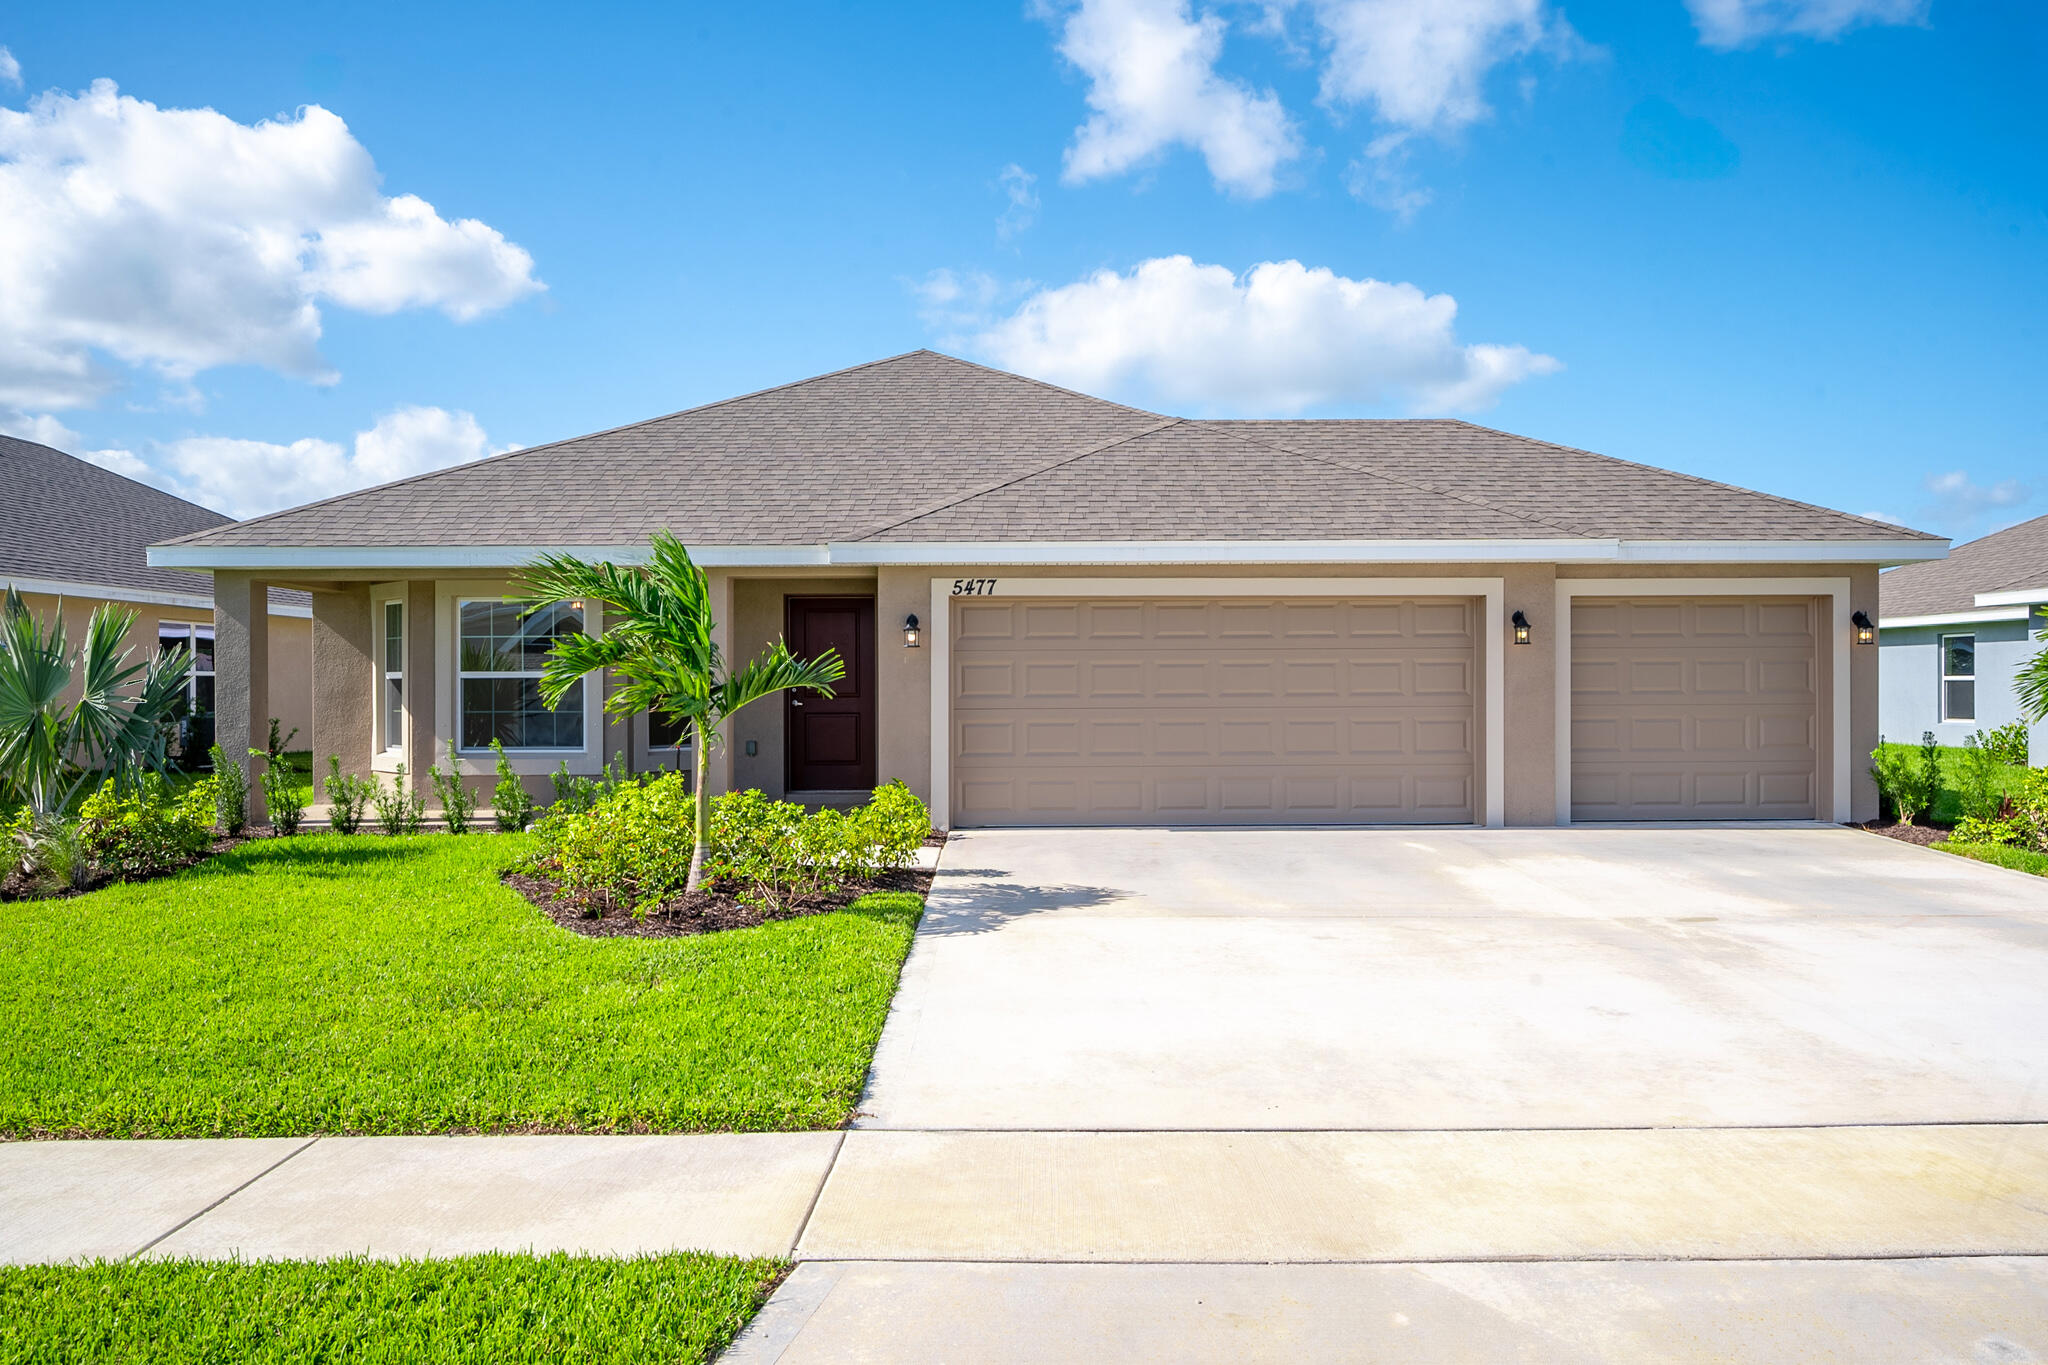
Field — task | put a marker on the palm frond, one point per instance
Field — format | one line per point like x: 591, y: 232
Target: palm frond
x: 2030, y: 683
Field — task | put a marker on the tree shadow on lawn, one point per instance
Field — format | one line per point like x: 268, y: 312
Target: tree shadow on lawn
x: 293, y: 855
x: 988, y: 905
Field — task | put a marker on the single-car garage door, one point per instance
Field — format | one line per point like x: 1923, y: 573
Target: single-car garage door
x: 1220, y: 711
x: 1694, y: 708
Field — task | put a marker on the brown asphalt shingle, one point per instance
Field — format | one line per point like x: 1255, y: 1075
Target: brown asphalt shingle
x: 926, y: 447
x: 2006, y: 561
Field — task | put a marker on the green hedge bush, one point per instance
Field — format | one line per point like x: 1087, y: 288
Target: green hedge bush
x: 145, y: 832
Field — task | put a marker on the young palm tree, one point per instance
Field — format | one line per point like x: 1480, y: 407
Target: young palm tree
x: 658, y: 643
x: 118, y: 725
x: 2031, y: 682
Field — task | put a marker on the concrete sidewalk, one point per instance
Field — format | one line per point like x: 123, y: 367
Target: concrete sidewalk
x: 1139, y: 1197
x: 744, y: 1194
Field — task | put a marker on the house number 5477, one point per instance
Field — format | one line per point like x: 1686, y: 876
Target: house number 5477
x: 973, y: 587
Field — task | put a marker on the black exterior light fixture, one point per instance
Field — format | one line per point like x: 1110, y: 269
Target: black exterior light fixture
x: 912, y: 635
x: 1865, y: 632
x: 1521, y: 628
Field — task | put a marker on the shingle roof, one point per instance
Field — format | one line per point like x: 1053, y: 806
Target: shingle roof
x: 65, y: 520
x: 927, y: 447
x: 2006, y: 561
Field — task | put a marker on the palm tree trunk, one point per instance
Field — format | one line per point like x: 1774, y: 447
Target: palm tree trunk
x: 701, y: 803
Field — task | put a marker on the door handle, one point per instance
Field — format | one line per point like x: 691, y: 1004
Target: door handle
x: 796, y: 701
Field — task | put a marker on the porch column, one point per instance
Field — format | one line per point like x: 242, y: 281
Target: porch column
x: 422, y: 747
x: 241, y: 674
x: 344, y: 679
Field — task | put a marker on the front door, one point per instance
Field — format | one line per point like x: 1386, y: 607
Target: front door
x: 832, y: 739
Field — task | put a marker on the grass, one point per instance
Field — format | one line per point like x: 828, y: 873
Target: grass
x: 2003, y: 855
x: 365, y: 984
x: 1948, y: 802
x: 681, y: 1307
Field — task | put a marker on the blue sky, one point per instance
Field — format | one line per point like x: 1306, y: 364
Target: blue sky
x: 1794, y: 244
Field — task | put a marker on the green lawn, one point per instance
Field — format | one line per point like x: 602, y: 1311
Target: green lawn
x: 2018, y: 859
x: 673, y: 1308
x: 1948, y: 806
x: 364, y: 984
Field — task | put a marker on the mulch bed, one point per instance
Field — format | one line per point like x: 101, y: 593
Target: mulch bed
x: 1922, y: 835
x: 707, y: 912
x: 15, y: 887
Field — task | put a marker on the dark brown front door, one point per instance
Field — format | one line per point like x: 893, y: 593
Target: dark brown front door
x: 832, y: 739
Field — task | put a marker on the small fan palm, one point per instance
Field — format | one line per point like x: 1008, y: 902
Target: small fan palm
x: 117, y: 728
x: 658, y: 644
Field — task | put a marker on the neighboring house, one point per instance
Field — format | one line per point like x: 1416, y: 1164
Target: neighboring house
x: 1060, y: 610
x: 74, y: 535
x: 1955, y: 632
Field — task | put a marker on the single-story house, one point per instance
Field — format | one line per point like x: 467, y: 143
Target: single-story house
x: 1058, y: 610
x: 74, y: 535
x: 1954, y: 632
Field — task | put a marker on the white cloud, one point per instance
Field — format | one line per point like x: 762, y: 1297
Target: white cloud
x: 1278, y: 339
x: 10, y: 69
x: 248, y: 478
x: 41, y: 428
x: 1422, y: 64
x: 1381, y: 178
x: 1733, y: 23
x: 1959, y: 500
x: 1021, y: 188
x: 179, y: 239
x: 1151, y: 68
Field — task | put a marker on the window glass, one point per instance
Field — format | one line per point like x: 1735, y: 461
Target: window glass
x: 1959, y: 656
x: 1959, y: 699
x: 499, y: 667
x: 663, y: 733
x: 195, y: 725
x: 1958, y: 677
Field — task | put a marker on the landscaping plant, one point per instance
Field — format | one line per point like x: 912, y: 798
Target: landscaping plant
x: 511, y: 806
x: 458, y: 802
x: 627, y: 848
x: 281, y: 793
x: 146, y: 832
x: 2030, y: 684
x: 118, y: 728
x: 348, y: 797
x: 659, y: 644
x: 230, y: 793
x: 574, y: 794
x: 1892, y: 769
x: 2007, y: 743
x: 400, y: 809
x: 47, y: 853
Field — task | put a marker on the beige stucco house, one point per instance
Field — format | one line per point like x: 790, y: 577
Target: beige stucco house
x: 74, y: 536
x: 1061, y: 610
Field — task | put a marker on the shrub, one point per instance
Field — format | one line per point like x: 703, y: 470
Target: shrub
x: 230, y: 793
x: 2029, y: 798
x: 575, y: 794
x: 2009, y: 830
x: 348, y: 797
x: 1978, y: 781
x: 281, y: 794
x: 773, y: 852
x: 1892, y: 770
x: 631, y: 846
x: 1926, y: 772
x: 458, y: 802
x: 2007, y: 743
x: 145, y: 832
x: 511, y: 807
x: 886, y: 833
x: 46, y: 849
x: 399, y: 810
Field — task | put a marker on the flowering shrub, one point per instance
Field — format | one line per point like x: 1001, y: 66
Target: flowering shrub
x: 145, y: 832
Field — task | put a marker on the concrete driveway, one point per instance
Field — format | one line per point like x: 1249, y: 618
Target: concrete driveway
x: 1490, y: 979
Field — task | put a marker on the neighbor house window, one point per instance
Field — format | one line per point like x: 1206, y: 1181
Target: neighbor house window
x: 196, y: 726
x: 498, y: 677
x: 391, y: 707
x: 1959, y: 677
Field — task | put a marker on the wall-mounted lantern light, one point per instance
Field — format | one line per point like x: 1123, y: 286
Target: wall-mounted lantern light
x: 1521, y: 628
x: 1865, y: 632
x: 912, y: 636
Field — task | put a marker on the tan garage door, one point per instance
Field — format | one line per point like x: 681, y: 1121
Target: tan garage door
x: 1223, y: 711
x: 1694, y: 708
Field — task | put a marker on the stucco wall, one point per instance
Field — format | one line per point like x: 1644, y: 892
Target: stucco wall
x: 1909, y: 659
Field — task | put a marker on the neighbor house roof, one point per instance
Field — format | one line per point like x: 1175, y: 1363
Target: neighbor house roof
x: 66, y: 521
x: 2014, y: 560
x: 927, y: 448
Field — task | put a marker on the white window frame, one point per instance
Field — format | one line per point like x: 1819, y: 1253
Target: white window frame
x: 388, y: 751
x: 461, y: 675
x: 192, y: 675
x: 1941, y: 664
x: 387, y: 670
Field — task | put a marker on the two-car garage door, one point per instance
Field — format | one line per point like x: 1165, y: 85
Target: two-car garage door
x: 1219, y: 710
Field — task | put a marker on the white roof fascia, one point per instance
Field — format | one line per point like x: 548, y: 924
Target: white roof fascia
x: 1953, y: 618
x: 2013, y: 597
x: 141, y: 596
